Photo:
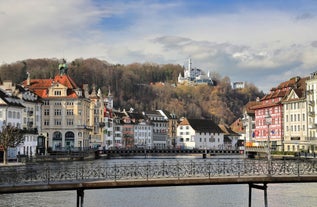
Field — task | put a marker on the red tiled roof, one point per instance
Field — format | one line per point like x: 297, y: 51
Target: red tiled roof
x: 184, y: 122
x: 66, y: 81
x: 237, y: 126
x: 40, y: 86
x: 249, y: 106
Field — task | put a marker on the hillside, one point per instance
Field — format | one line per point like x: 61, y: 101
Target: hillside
x: 146, y: 86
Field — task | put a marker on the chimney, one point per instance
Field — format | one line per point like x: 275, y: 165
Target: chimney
x: 28, y: 80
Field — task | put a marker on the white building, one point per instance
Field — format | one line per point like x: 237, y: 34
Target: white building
x: 193, y: 76
x: 199, y: 133
x: 160, y: 128
x: 11, y: 109
x: 143, y: 135
x: 295, y: 121
x: 311, y: 98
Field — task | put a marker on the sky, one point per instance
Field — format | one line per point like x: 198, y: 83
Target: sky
x: 260, y: 42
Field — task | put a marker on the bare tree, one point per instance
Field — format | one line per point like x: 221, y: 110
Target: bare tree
x: 10, y: 136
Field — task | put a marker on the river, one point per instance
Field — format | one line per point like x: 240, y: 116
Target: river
x: 279, y: 195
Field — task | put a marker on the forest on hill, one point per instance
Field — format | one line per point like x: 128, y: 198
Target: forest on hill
x: 144, y: 87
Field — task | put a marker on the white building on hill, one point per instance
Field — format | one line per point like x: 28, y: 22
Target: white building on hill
x: 194, y: 76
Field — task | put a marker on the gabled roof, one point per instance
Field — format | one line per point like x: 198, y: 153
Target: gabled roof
x: 202, y: 125
x: 237, y: 126
x: 40, y: 86
x: 119, y: 114
x: 10, y: 100
x: 66, y: 81
x: 249, y: 107
x: 227, y: 130
x: 299, y: 95
x: 281, y: 92
x: 136, y: 116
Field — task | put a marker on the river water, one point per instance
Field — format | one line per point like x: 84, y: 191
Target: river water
x: 279, y: 195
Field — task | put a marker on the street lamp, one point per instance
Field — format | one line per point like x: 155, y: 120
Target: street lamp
x: 245, y: 125
x: 268, y: 120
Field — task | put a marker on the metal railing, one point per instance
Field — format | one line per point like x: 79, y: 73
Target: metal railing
x: 77, y: 173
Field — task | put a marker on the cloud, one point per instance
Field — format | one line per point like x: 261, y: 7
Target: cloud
x: 247, y: 42
x: 305, y: 16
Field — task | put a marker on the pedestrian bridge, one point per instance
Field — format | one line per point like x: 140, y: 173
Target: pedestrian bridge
x: 80, y: 177
x: 172, y: 152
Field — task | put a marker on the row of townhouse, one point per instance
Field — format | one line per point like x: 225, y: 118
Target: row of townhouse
x: 55, y: 113
x: 127, y: 129
x: 286, y: 117
x: 58, y: 115
x: 160, y: 129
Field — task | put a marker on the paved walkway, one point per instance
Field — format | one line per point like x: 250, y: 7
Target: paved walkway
x: 12, y: 164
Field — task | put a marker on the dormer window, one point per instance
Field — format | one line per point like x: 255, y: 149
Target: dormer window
x: 57, y: 93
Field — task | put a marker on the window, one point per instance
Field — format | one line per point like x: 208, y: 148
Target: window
x: 46, y: 103
x: 46, y: 122
x: 46, y: 112
x: 69, y: 103
x: 57, y: 103
x: 70, y: 122
x: 57, y: 122
x: 58, y: 112
x: 57, y: 93
x: 70, y: 112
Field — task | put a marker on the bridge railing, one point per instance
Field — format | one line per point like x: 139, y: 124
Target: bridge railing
x: 54, y: 174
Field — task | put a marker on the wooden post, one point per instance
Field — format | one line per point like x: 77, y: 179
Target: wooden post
x: 260, y: 187
x: 265, y: 195
x: 250, y: 194
x: 80, y: 197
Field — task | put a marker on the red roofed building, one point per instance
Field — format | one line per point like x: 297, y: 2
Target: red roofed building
x: 272, y: 104
x: 68, y: 117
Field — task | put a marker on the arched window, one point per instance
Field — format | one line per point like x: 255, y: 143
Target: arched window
x: 69, y: 135
x: 57, y: 135
x: 69, y: 140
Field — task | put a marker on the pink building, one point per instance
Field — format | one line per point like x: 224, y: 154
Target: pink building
x: 272, y: 104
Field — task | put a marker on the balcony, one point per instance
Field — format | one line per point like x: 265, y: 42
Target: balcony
x: 311, y: 103
x: 30, y: 124
x: 30, y: 130
x: 84, y: 127
x: 310, y: 91
x: 30, y: 113
x: 312, y: 126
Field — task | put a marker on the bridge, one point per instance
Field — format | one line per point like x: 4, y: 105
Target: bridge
x: 155, y: 152
x: 256, y: 173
